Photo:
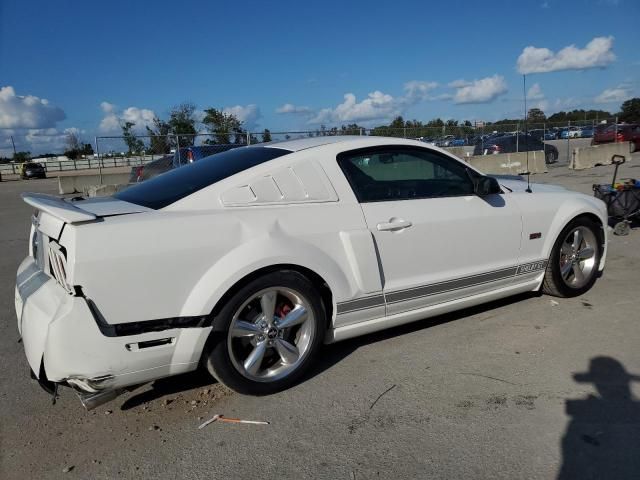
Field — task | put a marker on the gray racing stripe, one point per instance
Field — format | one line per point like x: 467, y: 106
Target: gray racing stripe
x: 449, y: 285
x: 441, y: 287
x: 360, y: 304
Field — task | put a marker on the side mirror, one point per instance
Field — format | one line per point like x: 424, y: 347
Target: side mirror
x: 483, y: 186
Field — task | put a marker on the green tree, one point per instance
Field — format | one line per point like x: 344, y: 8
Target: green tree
x: 20, y: 157
x: 536, y: 115
x: 72, y: 141
x: 182, y: 123
x: 223, y: 125
x: 134, y: 144
x: 579, y: 116
x: 351, y: 129
x: 87, y: 149
x: 266, y: 135
x: 73, y: 145
x: 159, y: 140
x: 630, y: 111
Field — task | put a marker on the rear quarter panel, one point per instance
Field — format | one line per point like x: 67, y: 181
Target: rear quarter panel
x: 167, y: 264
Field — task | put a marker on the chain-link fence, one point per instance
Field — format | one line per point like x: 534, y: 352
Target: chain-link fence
x: 557, y: 139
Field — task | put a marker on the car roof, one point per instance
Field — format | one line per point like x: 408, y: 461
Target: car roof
x: 312, y: 142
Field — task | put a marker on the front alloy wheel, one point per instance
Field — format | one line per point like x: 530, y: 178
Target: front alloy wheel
x: 578, y: 257
x: 267, y: 333
x: 575, y: 259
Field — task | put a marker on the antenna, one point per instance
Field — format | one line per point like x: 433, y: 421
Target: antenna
x: 526, y: 131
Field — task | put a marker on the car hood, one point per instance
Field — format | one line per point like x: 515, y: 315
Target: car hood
x: 521, y: 186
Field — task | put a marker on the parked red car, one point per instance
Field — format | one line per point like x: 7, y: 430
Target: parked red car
x: 626, y: 132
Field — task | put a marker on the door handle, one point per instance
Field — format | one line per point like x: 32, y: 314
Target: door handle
x: 393, y: 225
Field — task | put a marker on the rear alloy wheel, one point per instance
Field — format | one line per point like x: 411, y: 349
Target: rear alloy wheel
x: 574, y: 262
x: 270, y: 330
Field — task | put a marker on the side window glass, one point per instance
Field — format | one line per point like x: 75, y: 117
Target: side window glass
x: 403, y: 174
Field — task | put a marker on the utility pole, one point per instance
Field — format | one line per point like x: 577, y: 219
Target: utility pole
x: 14, y: 147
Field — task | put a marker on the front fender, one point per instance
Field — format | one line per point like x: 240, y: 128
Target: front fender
x: 574, y: 207
x: 548, y: 213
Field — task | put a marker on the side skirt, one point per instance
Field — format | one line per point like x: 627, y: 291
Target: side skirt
x: 382, y: 323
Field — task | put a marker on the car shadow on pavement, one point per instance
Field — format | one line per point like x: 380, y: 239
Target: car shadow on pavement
x: 602, y: 439
x: 328, y: 357
x: 169, y: 386
x: 336, y: 352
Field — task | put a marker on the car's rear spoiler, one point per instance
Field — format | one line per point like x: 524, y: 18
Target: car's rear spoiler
x: 58, y: 207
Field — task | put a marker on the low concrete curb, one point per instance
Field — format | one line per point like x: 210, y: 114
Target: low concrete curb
x: 80, y: 183
x: 103, y: 190
x: 589, y: 157
x: 509, y: 163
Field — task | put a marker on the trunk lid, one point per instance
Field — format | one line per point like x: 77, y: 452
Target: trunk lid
x: 57, y: 211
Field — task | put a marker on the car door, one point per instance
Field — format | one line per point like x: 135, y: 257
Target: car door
x: 436, y: 240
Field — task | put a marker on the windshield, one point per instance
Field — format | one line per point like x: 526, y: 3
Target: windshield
x: 170, y: 187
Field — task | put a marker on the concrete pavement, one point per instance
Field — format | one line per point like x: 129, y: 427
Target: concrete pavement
x: 485, y: 393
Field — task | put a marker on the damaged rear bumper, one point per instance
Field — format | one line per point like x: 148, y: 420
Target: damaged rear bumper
x: 64, y: 344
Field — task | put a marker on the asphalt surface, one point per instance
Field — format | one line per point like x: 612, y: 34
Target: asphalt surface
x: 531, y: 387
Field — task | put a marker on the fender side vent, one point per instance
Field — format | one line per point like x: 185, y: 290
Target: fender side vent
x: 133, y: 347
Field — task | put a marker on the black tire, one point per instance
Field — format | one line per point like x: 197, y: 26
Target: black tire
x: 217, y: 357
x: 554, y: 284
x: 549, y: 158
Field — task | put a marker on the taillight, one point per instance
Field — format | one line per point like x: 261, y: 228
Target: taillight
x: 190, y: 156
x: 495, y: 148
x: 139, y: 171
x: 58, y: 265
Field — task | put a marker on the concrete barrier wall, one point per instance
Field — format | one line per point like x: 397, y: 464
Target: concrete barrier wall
x: 459, y: 152
x: 589, y: 157
x: 509, y: 163
x: 80, y: 183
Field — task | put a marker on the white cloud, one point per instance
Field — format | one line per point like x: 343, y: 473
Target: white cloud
x: 458, y: 83
x: 597, y: 53
x: 27, y: 111
x: 613, y: 95
x: 418, y: 90
x: 484, y: 90
x: 294, y: 109
x: 37, y: 140
x: 535, y: 92
x: 566, y: 103
x: 377, y: 106
x: 107, y: 107
x: 112, y: 120
x: 248, y: 114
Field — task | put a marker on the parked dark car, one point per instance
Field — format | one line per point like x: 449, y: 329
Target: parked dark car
x: 586, y: 132
x: 537, y: 133
x: 151, y: 169
x: 626, y: 132
x: 30, y: 170
x: 516, y: 143
x: 184, y: 156
x: 188, y: 155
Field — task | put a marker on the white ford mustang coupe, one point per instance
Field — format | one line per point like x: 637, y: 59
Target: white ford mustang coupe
x: 246, y: 262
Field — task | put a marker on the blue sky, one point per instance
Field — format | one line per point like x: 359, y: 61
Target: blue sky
x: 99, y: 62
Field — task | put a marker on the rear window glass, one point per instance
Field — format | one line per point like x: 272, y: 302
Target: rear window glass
x: 170, y: 187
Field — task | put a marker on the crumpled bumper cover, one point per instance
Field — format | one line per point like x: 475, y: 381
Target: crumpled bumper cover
x: 60, y: 332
